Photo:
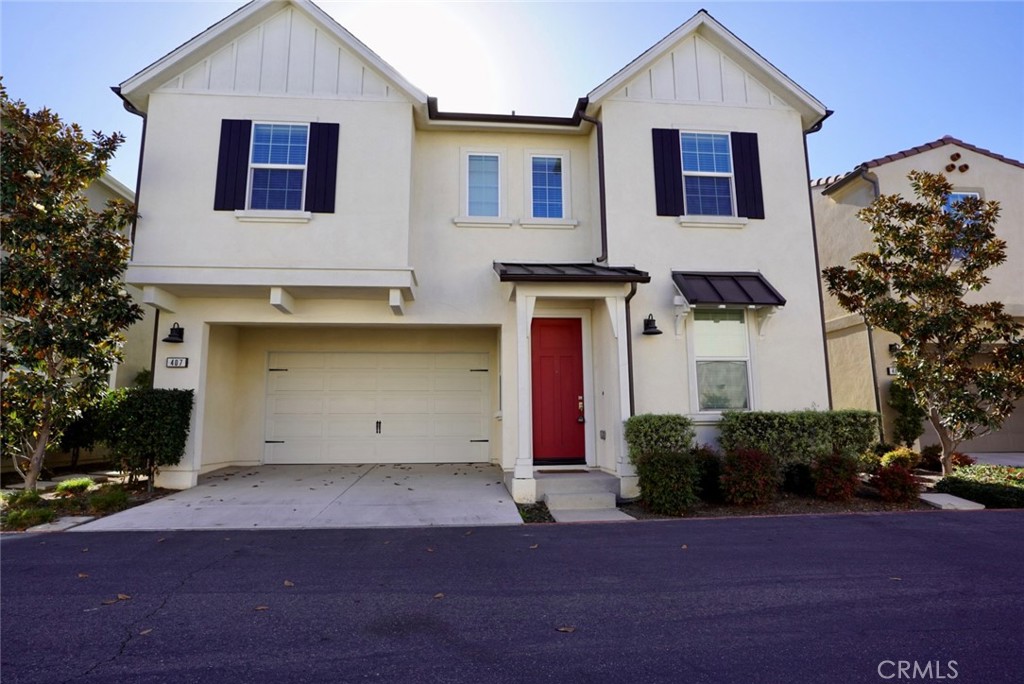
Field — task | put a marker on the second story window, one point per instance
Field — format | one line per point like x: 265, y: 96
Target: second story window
x: 484, y: 185
x: 278, y: 164
x: 707, y: 174
x: 546, y: 176
x: 954, y: 199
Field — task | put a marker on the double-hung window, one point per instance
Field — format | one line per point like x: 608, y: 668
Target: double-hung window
x: 484, y: 185
x: 722, y: 359
x: 951, y: 200
x: 278, y: 166
x: 287, y: 169
x: 707, y: 174
x: 546, y: 187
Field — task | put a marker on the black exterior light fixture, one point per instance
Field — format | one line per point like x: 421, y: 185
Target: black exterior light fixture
x: 176, y: 336
x: 650, y: 326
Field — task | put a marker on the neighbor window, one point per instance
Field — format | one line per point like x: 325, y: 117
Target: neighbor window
x: 278, y: 166
x: 953, y: 198
x: 483, y: 185
x: 721, y: 356
x: 547, y: 187
x: 707, y: 174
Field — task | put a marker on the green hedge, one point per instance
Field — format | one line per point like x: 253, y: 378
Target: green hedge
x: 147, y: 428
x: 651, y: 433
x: 799, y: 437
x: 992, y: 485
x: 669, y: 481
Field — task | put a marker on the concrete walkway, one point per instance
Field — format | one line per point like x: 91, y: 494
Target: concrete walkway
x: 327, y: 496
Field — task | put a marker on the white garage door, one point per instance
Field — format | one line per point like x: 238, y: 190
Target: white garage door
x: 377, y: 408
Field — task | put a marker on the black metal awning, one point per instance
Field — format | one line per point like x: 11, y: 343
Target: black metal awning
x: 717, y: 288
x: 568, y: 273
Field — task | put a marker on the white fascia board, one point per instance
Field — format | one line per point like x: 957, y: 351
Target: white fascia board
x: 136, y: 89
x: 708, y: 28
x: 116, y: 186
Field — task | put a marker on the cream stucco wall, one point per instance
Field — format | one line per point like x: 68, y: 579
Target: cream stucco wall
x: 841, y: 236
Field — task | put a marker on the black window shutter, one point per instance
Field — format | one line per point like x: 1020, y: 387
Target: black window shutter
x: 322, y: 167
x: 747, y: 173
x: 668, y: 172
x: 232, y: 165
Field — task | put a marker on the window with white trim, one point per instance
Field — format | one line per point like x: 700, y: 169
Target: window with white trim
x: 547, y: 194
x: 721, y: 359
x: 707, y: 174
x: 483, y: 185
x: 951, y: 200
x: 277, y: 166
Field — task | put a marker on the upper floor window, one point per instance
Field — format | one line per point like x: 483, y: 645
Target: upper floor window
x: 951, y: 200
x: 707, y: 174
x: 287, y: 169
x: 547, y: 196
x: 278, y: 166
x: 484, y: 185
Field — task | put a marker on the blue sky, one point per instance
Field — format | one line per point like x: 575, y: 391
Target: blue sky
x: 896, y: 74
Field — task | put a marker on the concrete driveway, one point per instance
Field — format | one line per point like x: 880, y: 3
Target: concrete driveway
x: 327, y: 496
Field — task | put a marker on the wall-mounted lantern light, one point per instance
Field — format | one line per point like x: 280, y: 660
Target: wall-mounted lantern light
x: 176, y: 336
x: 650, y: 326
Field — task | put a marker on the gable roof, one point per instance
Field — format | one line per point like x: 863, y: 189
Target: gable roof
x: 811, y: 110
x: 833, y: 183
x: 136, y: 89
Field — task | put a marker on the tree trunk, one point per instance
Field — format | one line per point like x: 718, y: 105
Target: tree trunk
x: 948, y: 445
x: 35, y: 464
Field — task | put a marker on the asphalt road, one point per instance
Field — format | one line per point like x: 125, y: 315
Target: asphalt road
x: 789, y: 599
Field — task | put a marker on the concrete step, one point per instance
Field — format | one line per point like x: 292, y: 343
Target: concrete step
x: 579, y: 501
x: 575, y: 483
x: 948, y: 502
x: 590, y: 515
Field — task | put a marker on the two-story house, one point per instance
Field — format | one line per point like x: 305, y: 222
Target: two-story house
x: 356, y: 276
x: 859, y: 357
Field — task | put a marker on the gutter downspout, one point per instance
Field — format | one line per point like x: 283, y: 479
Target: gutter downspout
x: 129, y: 107
x: 629, y: 351
x: 817, y: 261
x: 603, y: 259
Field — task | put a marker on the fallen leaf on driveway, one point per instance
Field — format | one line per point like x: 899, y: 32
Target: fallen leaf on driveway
x: 289, y: 583
x: 145, y: 632
x: 109, y: 602
x: 896, y: 579
x: 123, y: 597
x: 566, y: 629
x: 684, y: 546
x: 535, y: 546
x: 430, y: 549
x: 82, y: 575
x: 160, y: 540
x: 84, y: 550
x: 468, y: 533
x: 262, y: 607
x: 439, y: 595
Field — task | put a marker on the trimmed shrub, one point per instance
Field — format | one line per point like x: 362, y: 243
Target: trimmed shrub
x: 668, y: 481
x: 799, y: 436
x: 908, y: 424
x: 896, y: 484
x: 75, y: 486
x: 750, y: 477
x: 148, y: 428
x: 908, y: 458
x: 869, y: 462
x: 109, y: 500
x: 649, y: 433
x: 882, y: 448
x: 709, y: 473
x: 931, y: 458
x: 994, y: 486
x: 27, y: 498
x: 835, y: 477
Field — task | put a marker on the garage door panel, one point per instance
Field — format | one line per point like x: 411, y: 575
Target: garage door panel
x: 430, y: 408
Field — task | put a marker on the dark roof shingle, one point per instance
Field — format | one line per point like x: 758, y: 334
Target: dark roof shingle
x: 746, y: 288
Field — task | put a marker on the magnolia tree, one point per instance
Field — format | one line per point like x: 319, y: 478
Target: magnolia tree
x: 963, y: 362
x: 63, y: 303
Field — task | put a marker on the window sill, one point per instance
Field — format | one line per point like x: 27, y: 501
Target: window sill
x: 550, y: 224
x: 483, y: 221
x: 713, y: 221
x: 261, y: 216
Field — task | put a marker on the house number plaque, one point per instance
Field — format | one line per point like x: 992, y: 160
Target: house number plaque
x: 177, y: 362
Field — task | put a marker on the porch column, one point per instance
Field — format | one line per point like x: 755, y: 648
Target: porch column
x: 523, y: 485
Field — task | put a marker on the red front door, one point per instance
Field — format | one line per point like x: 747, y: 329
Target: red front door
x: 558, y: 390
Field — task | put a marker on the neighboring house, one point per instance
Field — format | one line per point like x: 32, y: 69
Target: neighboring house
x: 859, y: 359
x: 361, y: 277
x: 138, y: 346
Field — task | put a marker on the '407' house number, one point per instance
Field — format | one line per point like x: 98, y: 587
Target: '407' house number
x: 177, y: 362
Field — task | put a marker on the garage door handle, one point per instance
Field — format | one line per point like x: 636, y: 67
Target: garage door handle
x: 378, y: 427
x: 274, y: 441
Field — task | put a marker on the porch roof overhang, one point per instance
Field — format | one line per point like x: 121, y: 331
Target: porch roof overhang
x: 750, y: 289
x: 509, y: 272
